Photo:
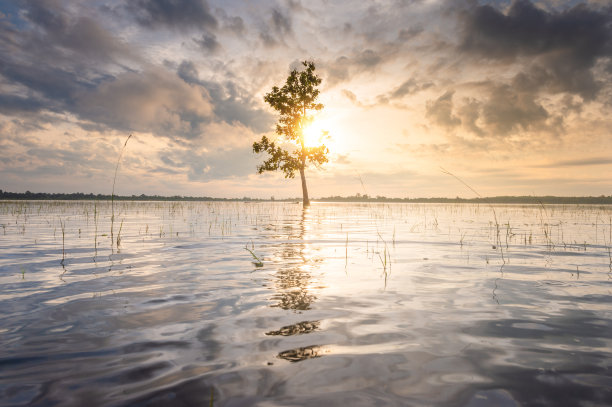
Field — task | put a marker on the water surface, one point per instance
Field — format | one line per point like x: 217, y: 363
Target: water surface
x: 339, y: 304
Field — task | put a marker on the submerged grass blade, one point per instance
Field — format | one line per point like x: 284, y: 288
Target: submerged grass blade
x: 256, y: 260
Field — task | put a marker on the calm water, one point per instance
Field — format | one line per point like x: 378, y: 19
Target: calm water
x: 352, y: 304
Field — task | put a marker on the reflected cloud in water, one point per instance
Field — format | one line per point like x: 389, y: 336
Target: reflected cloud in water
x: 177, y: 320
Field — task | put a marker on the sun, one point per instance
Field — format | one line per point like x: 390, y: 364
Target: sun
x: 315, y: 134
x: 328, y: 130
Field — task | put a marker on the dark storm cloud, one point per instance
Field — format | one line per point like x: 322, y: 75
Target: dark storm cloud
x: 527, y: 29
x: 175, y: 14
x: 53, y: 56
x: 551, y: 52
x: 564, y: 46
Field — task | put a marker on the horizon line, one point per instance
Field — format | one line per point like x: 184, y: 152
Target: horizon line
x: 601, y: 199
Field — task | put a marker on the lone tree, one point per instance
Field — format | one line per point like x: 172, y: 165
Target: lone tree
x: 294, y: 101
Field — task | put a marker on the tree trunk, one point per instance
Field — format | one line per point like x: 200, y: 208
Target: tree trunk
x: 305, y: 199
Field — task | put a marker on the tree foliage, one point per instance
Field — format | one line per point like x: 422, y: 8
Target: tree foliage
x: 295, y: 102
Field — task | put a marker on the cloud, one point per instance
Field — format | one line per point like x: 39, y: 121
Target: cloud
x: 407, y: 88
x: 476, y: 79
x: 55, y: 84
x: 274, y: 31
x: 507, y: 110
x: 367, y: 59
x: 42, y: 156
x: 345, y: 67
x: 206, y: 166
x: 60, y: 30
x: 470, y: 112
x: 208, y: 42
x: 501, y: 110
x: 60, y: 62
x: 440, y: 111
x: 564, y: 46
x: 11, y: 104
x: 231, y: 102
x: 180, y: 15
x: 233, y: 24
x: 154, y: 101
x: 582, y: 162
x: 530, y: 54
x: 350, y: 96
x: 281, y: 23
x: 407, y: 34
x: 51, y: 55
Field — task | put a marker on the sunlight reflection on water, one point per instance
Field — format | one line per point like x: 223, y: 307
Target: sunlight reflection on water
x: 355, y: 304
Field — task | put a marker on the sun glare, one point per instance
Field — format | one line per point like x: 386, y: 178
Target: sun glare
x: 328, y: 131
x: 316, y: 134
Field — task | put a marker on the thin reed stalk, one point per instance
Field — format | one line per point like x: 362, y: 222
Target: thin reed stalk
x: 498, y: 238
x: 113, y: 192
x: 63, y: 226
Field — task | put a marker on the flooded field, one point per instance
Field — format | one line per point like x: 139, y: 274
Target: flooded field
x: 238, y: 304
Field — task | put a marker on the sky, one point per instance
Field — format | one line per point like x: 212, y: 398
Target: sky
x: 512, y: 97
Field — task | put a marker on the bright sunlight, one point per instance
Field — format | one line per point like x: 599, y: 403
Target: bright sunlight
x: 315, y: 134
x: 325, y: 130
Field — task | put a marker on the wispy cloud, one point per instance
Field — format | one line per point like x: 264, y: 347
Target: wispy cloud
x: 582, y: 162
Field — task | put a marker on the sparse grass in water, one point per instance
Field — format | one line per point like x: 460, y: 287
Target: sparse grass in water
x: 113, y: 192
x: 498, y: 239
x: 63, y: 226
x: 256, y: 260
x: 346, y: 253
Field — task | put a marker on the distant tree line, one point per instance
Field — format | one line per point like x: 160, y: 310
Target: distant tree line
x: 4, y: 195
x: 491, y: 200
x: 595, y: 200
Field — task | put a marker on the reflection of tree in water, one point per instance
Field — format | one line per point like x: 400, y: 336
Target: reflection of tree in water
x: 294, y: 283
x: 304, y: 327
x: 293, y: 290
x: 299, y: 354
x: 294, y: 279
